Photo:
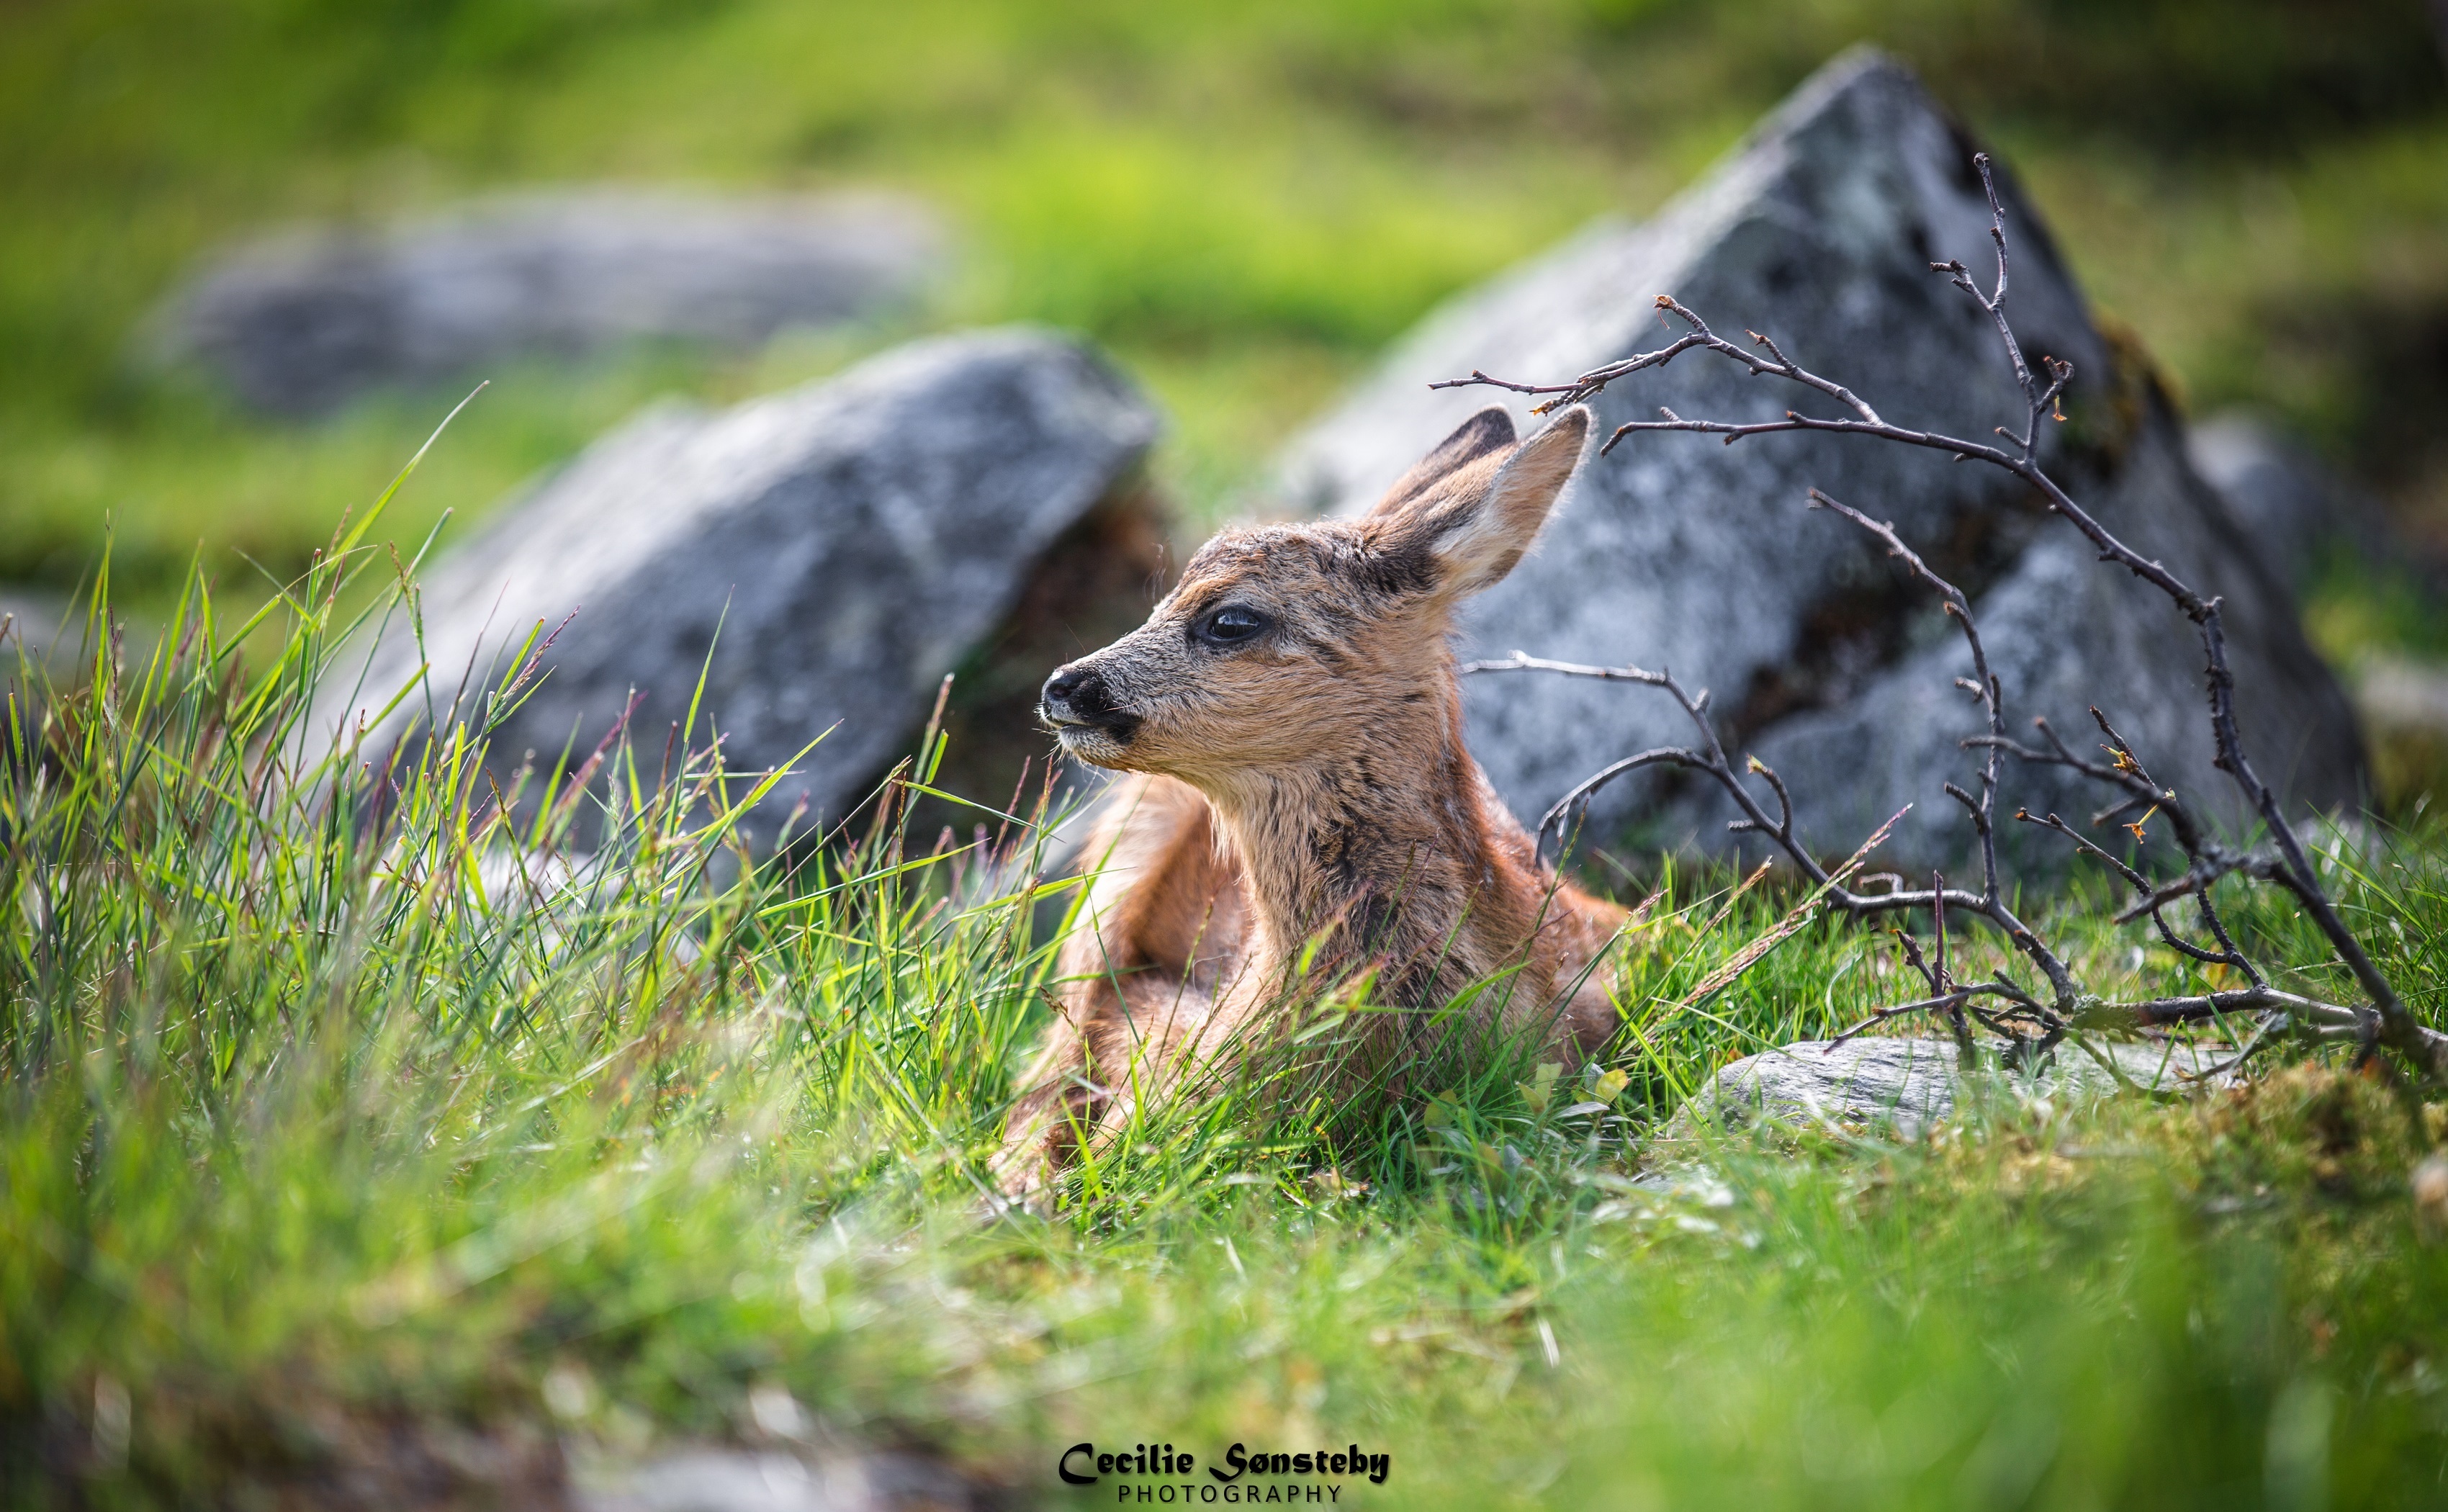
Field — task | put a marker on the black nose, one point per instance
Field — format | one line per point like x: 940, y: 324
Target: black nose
x: 1076, y: 695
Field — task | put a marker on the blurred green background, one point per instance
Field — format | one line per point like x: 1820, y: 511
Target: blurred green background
x: 1244, y: 200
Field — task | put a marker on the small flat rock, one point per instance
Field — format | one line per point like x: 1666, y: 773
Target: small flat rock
x: 823, y: 556
x: 1681, y: 552
x: 298, y: 323
x: 720, y: 1479
x: 38, y: 624
x: 715, y: 1480
x: 1911, y: 1082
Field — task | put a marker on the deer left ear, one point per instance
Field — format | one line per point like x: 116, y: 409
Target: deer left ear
x: 1480, y: 525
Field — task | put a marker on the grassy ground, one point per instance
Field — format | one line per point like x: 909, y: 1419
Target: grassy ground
x: 357, y: 1146
x: 1245, y: 201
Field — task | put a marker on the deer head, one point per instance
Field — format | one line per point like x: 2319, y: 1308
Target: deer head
x: 1293, y: 647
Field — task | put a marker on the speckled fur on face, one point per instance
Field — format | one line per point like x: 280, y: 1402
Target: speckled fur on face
x: 1356, y: 613
x: 1348, y: 635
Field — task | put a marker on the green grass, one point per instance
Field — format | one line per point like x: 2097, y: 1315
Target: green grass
x: 1244, y: 200
x: 317, y: 1143
x: 326, y: 1143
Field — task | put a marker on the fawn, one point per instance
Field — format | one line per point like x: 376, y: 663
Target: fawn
x: 1293, y: 722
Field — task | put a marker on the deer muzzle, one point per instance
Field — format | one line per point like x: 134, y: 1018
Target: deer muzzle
x: 1077, y: 700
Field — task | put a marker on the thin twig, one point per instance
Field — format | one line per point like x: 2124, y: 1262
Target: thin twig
x: 2288, y: 864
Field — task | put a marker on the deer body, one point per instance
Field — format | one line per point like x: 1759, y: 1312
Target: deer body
x: 1302, y: 802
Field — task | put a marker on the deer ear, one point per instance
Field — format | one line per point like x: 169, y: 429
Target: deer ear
x: 1478, y: 519
x: 1483, y: 434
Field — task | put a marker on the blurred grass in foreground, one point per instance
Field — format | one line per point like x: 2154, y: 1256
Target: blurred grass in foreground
x: 354, y: 1116
x: 1245, y: 201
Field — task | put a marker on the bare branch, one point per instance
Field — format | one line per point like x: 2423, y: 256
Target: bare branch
x: 2288, y: 864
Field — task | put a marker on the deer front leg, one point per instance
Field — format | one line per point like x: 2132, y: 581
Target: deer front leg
x: 1162, y: 1044
x: 1042, y: 1134
x: 1139, y: 1044
x: 1163, y: 917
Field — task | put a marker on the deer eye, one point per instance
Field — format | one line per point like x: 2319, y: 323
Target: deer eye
x: 1230, y: 626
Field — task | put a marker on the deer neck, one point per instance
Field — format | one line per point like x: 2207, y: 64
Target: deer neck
x: 1395, y: 851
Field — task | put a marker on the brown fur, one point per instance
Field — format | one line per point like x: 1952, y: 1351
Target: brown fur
x: 1306, y: 784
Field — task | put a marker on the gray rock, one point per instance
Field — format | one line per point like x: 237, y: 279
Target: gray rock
x: 2398, y: 695
x: 835, y: 1478
x: 1911, y: 1084
x: 719, y: 1481
x: 301, y: 322
x: 2285, y: 499
x: 852, y: 540
x: 2405, y: 709
x: 2301, y: 513
x: 38, y: 624
x: 1680, y: 551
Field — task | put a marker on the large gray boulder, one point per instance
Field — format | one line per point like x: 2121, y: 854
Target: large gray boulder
x: 298, y: 323
x: 825, y: 555
x: 1680, y: 551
